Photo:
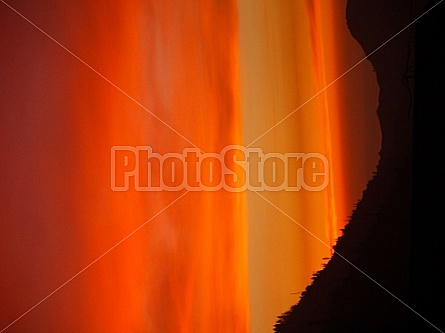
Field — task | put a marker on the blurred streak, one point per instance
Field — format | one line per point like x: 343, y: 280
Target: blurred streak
x: 328, y: 109
x: 186, y: 271
x: 290, y: 51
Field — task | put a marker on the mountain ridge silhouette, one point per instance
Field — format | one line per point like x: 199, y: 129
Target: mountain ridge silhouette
x: 384, y: 237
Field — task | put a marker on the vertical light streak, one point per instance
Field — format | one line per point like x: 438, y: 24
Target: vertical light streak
x: 328, y: 110
x: 290, y: 51
x: 186, y: 271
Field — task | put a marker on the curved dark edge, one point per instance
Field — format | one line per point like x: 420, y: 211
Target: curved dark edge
x: 394, y: 234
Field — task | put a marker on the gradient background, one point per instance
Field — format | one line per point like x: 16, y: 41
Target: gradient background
x: 218, y: 74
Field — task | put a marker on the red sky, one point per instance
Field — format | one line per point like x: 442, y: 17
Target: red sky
x: 290, y: 51
x: 218, y: 74
x: 186, y: 269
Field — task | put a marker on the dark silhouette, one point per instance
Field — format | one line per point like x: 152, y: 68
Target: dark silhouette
x: 395, y: 233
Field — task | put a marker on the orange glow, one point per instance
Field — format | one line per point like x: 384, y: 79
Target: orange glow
x: 219, y: 73
x: 290, y: 51
x: 329, y: 112
x: 337, y: 105
x: 186, y: 269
